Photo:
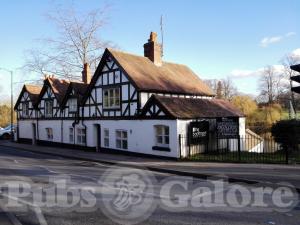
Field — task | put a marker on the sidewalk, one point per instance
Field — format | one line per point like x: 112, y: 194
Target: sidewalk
x: 248, y: 173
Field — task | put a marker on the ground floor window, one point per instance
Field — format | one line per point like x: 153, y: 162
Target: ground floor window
x: 81, y: 136
x: 121, y: 139
x: 106, y: 137
x: 71, y: 134
x: 162, y: 135
x: 49, y: 132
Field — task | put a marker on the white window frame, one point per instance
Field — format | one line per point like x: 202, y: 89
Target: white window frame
x: 73, y: 105
x: 81, y: 136
x: 122, y: 139
x: 48, y: 108
x: 106, y: 137
x: 111, y: 98
x: 49, y: 132
x: 71, y: 134
x: 162, y: 135
x: 25, y: 109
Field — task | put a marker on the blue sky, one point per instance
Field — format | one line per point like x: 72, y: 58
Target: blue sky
x: 215, y: 38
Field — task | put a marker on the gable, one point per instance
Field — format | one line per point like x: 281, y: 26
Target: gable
x: 154, y: 109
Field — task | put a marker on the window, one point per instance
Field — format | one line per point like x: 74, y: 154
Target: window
x: 71, y: 134
x: 25, y: 109
x: 121, y: 139
x: 106, y: 137
x: 81, y: 136
x: 111, y: 98
x: 49, y: 132
x: 73, y: 105
x: 162, y: 135
x: 48, y: 108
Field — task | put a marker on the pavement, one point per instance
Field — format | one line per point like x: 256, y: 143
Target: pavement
x: 268, y: 174
x: 39, y: 170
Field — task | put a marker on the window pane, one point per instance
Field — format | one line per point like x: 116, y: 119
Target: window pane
x: 159, y: 139
x: 166, y: 130
x: 106, y: 142
x: 124, y: 134
x: 106, y: 133
x: 159, y: 130
x: 118, y: 134
x: 167, y: 140
x: 106, y: 98
x: 111, y: 101
x: 124, y: 143
x: 118, y: 143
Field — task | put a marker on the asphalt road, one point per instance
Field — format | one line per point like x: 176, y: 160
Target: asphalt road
x: 34, y: 170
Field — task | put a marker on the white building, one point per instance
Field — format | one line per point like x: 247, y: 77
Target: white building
x: 131, y: 104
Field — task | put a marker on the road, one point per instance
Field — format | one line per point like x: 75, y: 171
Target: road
x: 35, y: 170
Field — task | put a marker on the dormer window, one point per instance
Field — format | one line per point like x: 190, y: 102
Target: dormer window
x: 111, y: 98
x: 73, y: 105
x: 25, y: 109
x: 48, y: 108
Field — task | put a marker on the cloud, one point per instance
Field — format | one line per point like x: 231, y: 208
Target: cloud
x: 289, y: 34
x: 266, y: 41
x: 237, y: 73
x: 295, y: 54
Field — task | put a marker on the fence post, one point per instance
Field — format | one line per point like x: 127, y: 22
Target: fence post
x: 179, y: 146
x: 286, y: 155
x: 239, y: 147
x: 189, y: 144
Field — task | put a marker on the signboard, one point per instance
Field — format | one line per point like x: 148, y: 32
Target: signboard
x: 198, y: 132
x: 228, y: 127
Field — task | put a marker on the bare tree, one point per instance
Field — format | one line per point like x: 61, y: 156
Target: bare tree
x: 224, y: 88
x: 229, y: 90
x: 77, y: 42
x: 270, y: 84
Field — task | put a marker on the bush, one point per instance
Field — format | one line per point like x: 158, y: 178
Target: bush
x: 287, y: 133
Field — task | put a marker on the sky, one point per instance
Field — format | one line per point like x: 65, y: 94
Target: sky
x: 215, y: 38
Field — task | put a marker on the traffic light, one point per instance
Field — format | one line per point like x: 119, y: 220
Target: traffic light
x: 296, y: 78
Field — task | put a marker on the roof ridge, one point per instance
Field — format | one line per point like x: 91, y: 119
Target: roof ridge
x: 135, y: 55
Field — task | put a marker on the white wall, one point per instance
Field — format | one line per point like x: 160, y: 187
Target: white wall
x: 25, y: 128
x: 141, y: 135
x: 56, y: 127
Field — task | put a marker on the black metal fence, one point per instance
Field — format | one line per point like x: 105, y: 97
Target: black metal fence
x: 244, y: 149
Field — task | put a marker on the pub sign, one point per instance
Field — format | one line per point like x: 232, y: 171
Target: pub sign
x: 228, y: 127
x: 198, y: 132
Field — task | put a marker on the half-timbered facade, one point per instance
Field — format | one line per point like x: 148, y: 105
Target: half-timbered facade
x: 136, y: 104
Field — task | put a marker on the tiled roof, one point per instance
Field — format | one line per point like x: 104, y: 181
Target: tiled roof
x: 33, y: 92
x: 59, y: 87
x: 168, y: 78
x: 189, y: 108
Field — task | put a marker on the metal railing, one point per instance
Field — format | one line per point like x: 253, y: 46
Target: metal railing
x: 243, y: 149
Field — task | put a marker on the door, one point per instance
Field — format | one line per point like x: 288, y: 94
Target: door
x: 33, y: 134
x: 98, y: 137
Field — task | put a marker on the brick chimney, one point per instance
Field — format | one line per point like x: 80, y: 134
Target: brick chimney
x: 152, y: 49
x: 86, y: 74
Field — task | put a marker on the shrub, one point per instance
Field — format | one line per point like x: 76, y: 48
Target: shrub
x: 287, y: 133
